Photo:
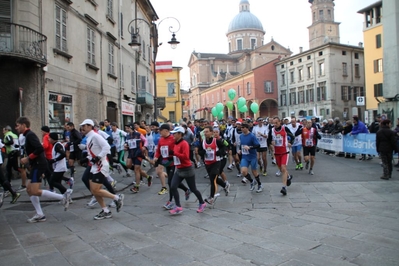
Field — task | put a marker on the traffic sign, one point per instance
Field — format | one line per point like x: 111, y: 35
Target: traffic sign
x: 360, y: 101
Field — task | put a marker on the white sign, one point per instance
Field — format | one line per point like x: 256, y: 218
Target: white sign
x: 127, y: 108
x: 331, y: 142
x: 360, y: 101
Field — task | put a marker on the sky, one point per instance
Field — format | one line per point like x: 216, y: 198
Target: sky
x: 204, y: 23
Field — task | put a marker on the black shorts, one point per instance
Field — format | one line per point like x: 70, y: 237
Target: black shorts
x: 75, y: 155
x: 261, y: 149
x: 36, y: 173
x: 213, y: 169
x: 309, y: 150
x: 233, y: 150
x: 98, y: 178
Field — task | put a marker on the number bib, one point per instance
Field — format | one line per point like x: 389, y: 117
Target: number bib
x: 309, y: 142
x: 132, y: 143
x: 176, y: 160
x: 244, y: 151
x: 151, y: 148
x: 165, y: 151
x: 278, y: 141
x: 71, y: 148
x: 209, y: 155
x: 260, y: 139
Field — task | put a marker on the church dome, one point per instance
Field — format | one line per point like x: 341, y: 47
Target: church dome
x: 245, y: 19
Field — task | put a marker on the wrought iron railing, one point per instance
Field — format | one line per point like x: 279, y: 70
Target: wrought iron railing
x: 21, y: 41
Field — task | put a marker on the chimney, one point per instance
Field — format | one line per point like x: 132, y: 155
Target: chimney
x: 300, y: 49
x: 360, y: 44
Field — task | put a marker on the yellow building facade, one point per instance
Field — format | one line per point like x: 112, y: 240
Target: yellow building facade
x: 168, y: 90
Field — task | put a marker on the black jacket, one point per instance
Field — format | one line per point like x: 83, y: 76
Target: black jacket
x: 34, y: 149
x: 337, y: 128
x: 386, y: 140
x: 347, y: 129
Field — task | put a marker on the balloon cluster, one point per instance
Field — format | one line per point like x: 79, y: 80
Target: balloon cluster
x: 217, y: 111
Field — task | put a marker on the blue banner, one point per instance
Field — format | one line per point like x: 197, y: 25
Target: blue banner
x: 360, y: 144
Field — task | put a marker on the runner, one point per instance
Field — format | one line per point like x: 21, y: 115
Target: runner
x: 248, y: 146
x: 297, y: 146
x: 5, y: 184
x: 223, y: 162
x: 184, y: 170
x: 74, y: 151
x: 279, y: 139
x: 260, y: 131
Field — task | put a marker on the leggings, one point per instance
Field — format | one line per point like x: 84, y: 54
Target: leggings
x: 213, y: 171
x: 5, y: 183
x: 55, y: 181
x: 170, y: 170
x: 86, y: 177
x: 176, y: 182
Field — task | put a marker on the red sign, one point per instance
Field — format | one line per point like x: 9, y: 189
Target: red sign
x: 163, y: 66
x: 127, y: 109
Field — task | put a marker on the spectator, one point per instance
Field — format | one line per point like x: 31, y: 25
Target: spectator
x: 347, y: 130
x: 397, y: 140
x: 386, y: 145
x: 359, y: 127
x: 375, y: 126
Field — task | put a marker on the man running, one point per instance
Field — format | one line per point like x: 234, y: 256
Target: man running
x: 260, y: 131
x: 297, y: 146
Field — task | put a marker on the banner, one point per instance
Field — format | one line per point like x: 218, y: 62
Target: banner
x: 360, y: 144
x: 330, y: 142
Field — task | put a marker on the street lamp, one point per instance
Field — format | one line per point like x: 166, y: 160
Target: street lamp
x: 135, y: 43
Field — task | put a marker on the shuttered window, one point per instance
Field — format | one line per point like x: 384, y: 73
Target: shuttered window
x: 60, y: 29
x: 91, y: 46
x: 5, y: 15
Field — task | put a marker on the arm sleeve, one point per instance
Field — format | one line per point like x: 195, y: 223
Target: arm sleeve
x: 105, y: 148
x: 58, y: 148
x: 299, y: 131
x: 37, y: 146
x: 8, y: 141
x: 289, y: 133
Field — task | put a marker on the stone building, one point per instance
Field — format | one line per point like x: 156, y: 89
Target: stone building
x: 246, y: 69
x: 325, y: 80
x: 66, y: 60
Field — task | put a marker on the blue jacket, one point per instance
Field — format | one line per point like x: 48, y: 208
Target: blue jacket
x: 360, y: 127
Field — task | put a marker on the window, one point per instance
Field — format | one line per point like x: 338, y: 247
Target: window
x: 357, y: 92
x: 378, y: 40
x: 272, y: 47
x: 327, y: 111
x: 320, y: 53
x: 283, y: 98
x: 301, y: 96
x: 329, y: 14
x: 238, y: 91
x: 172, y: 116
x: 121, y: 81
x: 60, y: 29
x: 309, y: 57
x: 111, y: 66
x: 248, y: 88
x: 282, y: 66
x: 321, y: 15
x: 346, y: 93
x: 143, y: 50
x: 309, y: 94
x: 91, y: 47
x: 253, y: 44
x: 142, y: 83
x: 300, y: 74
x: 121, y: 24
x: 357, y: 71
x: 321, y: 69
x: 5, y: 14
x: 343, y: 52
x: 310, y: 112
x: 377, y: 65
x: 300, y: 60
x: 292, y: 97
x: 292, y: 76
x: 344, y: 69
x: 268, y: 86
x: 310, y: 72
x: 322, y: 112
x: 282, y: 79
x: 356, y: 55
x: 133, y: 82
x: 239, y: 45
x: 378, y: 90
x: 291, y: 63
x: 321, y: 91
x: 110, y: 8
x: 171, y: 89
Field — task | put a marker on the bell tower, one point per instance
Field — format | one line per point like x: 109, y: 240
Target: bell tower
x: 323, y: 29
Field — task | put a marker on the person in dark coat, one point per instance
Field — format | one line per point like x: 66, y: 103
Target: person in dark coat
x: 346, y: 130
x: 397, y: 139
x: 386, y: 145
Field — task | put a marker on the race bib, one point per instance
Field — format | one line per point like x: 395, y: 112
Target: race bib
x: 260, y: 139
x: 132, y: 143
x: 309, y: 142
x: 151, y: 147
x: 71, y: 148
x: 278, y: 142
x: 244, y: 151
x: 209, y: 155
x: 165, y: 151
x: 176, y: 160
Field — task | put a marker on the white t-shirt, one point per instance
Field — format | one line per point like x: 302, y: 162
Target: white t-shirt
x: 97, y: 146
x: 257, y: 131
x: 298, y: 139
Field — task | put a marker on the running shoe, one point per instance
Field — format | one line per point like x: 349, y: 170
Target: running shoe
x: 201, y: 207
x: 149, y: 180
x: 227, y: 188
x: 169, y: 205
x: 163, y: 191
x: 278, y: 173
x: 6, y: 194
x: 134, y: 190
x: 264, y: 173
x: 187, y: 194
x: 119, y: 168
x: 128, y: 175
x: 297, y: 167
x: 113, y: 183
x: 289, y: 179
x: 37, y: 218
x: 112, y: 204
x: 300, y: 166
x: 1, y: 199
x: 66, y: 199
x: 209, y: 200
x: 260, y: 189
x: 176, y: 210
x: 21, y: 188
x: 307, y: 165
x: 119, y: 202
x: 71, y: 182
x: 92, y: 202
x: 199, y: 165
x: 273, y: 161
x: 253, y: 184
x: 283, y: 191
x: 239, y: 175
x: 244, y: 180
x: 230, y: 167
x: 311, y: 172
x: 14, y: 198
x: 103, y: 215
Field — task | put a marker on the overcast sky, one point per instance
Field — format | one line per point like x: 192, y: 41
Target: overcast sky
x: 204, y: 23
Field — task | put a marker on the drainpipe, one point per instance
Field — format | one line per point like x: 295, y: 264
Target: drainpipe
x: 120, y: 62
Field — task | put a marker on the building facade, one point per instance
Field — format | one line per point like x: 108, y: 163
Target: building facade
x: 326, y: 80
x: 79, y: 63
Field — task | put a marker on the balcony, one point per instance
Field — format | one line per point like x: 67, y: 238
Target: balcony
x: 23, y: 42
x: 145, y: 98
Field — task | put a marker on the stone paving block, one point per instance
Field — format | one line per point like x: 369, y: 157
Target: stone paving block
x: 295, y: 263
x: 70, y: 244
x: 185, y: 229
x: 350, y: 244
x: 113, y: 248
x: 299, y: 232
x: 83, y: 225
x: 335, y: 252
x: 333, y: 198
x: 241, y: 236
x: 136, y: 259
x: 33, y: 239
x: 165, y: 255
x: 217, y: 241
x: 41, y: 250
x: 378, y: 240
x: 16, y: 219
x: 15, y: 257
x: 318, y: 259
x: 197, y: 250
x: 277, y: 247
x: 228, y: 260
x: 346, y: 205
x: 328, y: 214
x: 261, y: 223
x: 257, y: 255
x: 50, y: 259
x: 136, y: 240
x: 290, y: 220
x: 368, y: 260
x: 252, y: 229
x: 8, y: 242
x: 315, y: 219
x: 312, y: 205
x: 293, y: 241
x: 386, y: 253
x: 87, y: 257
x: 53, y: 229
x: 261, y: 214
x: 332, y: 230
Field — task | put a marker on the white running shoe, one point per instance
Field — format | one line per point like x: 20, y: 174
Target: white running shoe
x: 92, y: 202
x: 278, y: 173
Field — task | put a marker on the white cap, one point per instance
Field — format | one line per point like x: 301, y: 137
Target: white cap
x: 87, y: 122
x: 287, y: 118
x: 178, y: 129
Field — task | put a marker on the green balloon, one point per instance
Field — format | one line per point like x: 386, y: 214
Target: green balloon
x: 232, y: 94
x: 254, y: 107
x: 219, y: 107
x: 241, y: 102
x: 220, y: 115
x: 243, y: 109
x: 214, y: 111
x: 229, y: 105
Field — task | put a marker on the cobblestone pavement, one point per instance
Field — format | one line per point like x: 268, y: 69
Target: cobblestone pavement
x: 343, y: 215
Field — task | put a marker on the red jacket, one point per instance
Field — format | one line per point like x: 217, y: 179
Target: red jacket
x: 182, y: 152
x: 48, y: 147
x: 165, y: 142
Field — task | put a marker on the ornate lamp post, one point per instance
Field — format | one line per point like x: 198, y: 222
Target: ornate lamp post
x: 135, y: 43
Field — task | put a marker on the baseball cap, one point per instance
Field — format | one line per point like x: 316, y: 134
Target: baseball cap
x: 165, y: 126
x: 155, y: 123
x: 178, y: 129
x: 287, y: 118
x: 87, y: 122
x: 45, y: 129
